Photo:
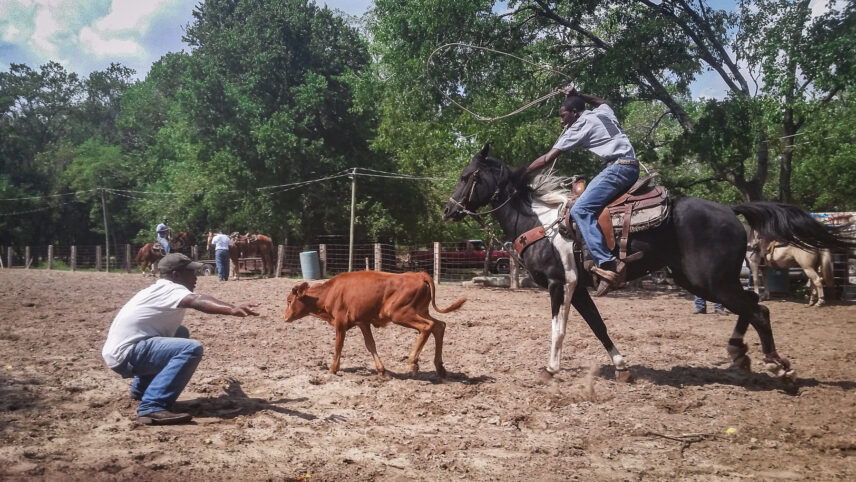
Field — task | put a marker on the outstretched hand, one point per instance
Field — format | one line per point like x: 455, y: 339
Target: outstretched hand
x: 246, y: 309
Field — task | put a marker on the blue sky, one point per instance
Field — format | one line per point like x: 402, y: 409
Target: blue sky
x: 87, y: 35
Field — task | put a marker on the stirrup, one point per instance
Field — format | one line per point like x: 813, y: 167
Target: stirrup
x: 609, y: 279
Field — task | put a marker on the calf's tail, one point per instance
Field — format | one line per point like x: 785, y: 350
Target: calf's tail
x: 791, y: 225
x: 430, y: 282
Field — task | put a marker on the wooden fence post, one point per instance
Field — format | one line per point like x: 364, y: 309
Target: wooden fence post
x: 322, y: 254
x: 50, y: 256
x: 27, y: 259
x: 194, y: 252
x: 378, y: 260
x: 73, y: 256
x: 8, y: 256
x: 280, y: 257
x: 514, y: 272
x: 98, y: 258
x: 436, y: 262
x: 127, y: 258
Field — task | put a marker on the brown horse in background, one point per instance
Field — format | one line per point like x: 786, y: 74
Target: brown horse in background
x: 149, y: 255
x: 248, y: 246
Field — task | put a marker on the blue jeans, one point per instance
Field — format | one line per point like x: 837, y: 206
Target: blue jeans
x: 165, y: 243
x: 162, y: 367
x: 612, y: 181
x: 221, y: 256
x: 701, y: 304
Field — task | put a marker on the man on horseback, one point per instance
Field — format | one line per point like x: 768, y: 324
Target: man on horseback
x: 162, y: 232
x: 598, y: 131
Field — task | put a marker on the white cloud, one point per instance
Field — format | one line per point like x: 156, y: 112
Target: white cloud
x: 130, y: 15
x: 45, y: 27
x: 94, y: 42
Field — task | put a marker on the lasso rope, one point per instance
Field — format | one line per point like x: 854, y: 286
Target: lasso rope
x: 488, y: 49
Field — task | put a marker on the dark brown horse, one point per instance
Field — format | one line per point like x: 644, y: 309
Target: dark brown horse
x: 151, y: 253
x: 248, y: 246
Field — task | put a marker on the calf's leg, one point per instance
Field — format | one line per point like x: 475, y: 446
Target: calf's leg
x: 340, y: 342
x: 370, y: 344
x: 439, y: 330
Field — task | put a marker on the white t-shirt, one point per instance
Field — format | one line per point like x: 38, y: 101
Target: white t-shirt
x: 220, y: 241
x: 152, y: 312
x: 597, y: 130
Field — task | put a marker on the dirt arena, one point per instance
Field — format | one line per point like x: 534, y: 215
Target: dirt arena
x: 265, y: 409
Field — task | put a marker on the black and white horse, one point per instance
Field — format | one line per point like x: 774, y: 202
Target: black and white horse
x: 702, y: 242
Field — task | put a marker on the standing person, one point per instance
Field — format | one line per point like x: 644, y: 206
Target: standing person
x: 598, y: 131
x: 221, y: 244
x: 162, y: 233
x: 148, y: 342
x: 701, y: 307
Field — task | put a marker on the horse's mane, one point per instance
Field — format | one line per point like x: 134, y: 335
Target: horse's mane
x: 550, y: 189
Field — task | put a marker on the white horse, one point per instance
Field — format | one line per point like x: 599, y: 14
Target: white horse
x: 817, y: 265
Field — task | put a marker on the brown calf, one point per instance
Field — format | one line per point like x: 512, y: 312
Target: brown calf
x: 366, y: 298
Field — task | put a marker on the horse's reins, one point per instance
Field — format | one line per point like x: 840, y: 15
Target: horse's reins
x: 482, y: 223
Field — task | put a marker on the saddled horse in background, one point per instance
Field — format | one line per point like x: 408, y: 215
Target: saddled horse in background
x: 817, y: 264
x: 702, y: 242
x: 247, y: 246
x: 151, y: 253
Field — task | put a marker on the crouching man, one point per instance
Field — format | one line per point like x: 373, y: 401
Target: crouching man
x: 148, y: 342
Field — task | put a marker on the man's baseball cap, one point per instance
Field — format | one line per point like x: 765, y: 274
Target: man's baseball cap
x: 177, y: 262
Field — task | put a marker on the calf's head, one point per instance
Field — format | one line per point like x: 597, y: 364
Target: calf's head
x: 300, y: 304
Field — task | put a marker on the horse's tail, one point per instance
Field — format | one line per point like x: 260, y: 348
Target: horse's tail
x: 430, y: 282
x: 790, y: 224
x: 826, y: 268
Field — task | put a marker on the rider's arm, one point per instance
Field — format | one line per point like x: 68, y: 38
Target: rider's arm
x: 592, y: 99
x: 209, y: 304
x: 542, y: 161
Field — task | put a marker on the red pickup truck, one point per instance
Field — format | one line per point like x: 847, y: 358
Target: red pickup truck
x: 468, y: 254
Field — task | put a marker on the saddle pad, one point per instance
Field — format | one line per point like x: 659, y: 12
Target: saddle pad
x: 649, y: 209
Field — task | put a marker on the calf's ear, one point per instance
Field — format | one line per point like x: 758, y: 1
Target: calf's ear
x: 300, y: 288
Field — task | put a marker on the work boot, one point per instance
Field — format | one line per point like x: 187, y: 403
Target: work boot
x: 164, y: 417
x: 700, y: 312
x: 611, y: 275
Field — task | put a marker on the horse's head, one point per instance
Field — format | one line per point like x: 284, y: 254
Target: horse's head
x: 481, y: 182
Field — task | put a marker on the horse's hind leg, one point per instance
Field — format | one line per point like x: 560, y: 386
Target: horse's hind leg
x: 750, y: 312
x: 816, y: 298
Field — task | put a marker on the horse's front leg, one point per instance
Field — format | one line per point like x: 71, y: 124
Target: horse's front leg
x: 559, y: 301
x: 588, y: 310
x: 816, y: 298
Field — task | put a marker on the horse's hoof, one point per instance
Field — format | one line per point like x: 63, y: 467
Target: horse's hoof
x: 544, y: 376
x: 441, y: 372
x: 790, y: 382
x: 820, y: 303
x: 743, y: 363
x: 623, y: 376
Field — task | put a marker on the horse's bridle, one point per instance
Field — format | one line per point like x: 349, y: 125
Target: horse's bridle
x: 474, y: 177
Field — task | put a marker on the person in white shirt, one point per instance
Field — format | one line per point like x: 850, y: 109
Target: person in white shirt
x: 598, y: 131
x: 148, y: 342
x: 221, y: 243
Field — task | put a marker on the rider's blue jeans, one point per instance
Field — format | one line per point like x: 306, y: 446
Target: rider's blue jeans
x: 162, y: 366
x: 612, y: 181
x: 165, y: 243
x: 221, y: 257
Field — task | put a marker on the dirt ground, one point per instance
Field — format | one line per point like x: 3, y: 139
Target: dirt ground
x: 265, y: 409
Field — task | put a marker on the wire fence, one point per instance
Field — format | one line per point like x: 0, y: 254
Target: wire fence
x: 446, y: 262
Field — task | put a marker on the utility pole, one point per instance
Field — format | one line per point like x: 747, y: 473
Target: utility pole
x: 353, y: 207
x: 106, y: 238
